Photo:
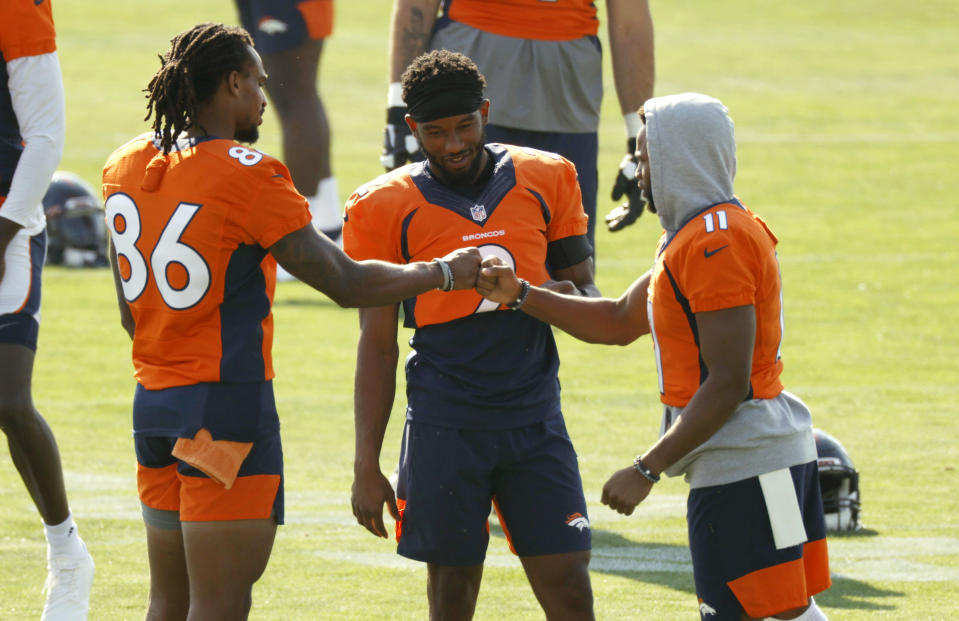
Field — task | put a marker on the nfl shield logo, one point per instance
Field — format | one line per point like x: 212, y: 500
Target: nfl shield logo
x: 478, y: 212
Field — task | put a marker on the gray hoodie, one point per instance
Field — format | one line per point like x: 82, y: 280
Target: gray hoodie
x: 692, y: 158
x: 692, y: 155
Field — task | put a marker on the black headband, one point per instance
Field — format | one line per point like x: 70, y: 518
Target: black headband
x: 442, y: 98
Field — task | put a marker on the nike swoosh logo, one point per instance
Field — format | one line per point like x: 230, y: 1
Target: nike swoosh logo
x: 707, y: 253
x: 38, y: 2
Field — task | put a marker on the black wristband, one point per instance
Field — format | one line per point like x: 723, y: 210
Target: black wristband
x: 523, y: 294
x: 643, y: 470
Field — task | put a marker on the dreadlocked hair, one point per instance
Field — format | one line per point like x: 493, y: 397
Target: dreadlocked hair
x: 439, y: 66
x: 190, y: 73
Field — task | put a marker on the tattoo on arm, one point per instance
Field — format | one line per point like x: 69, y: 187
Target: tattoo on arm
x: 415, y: 38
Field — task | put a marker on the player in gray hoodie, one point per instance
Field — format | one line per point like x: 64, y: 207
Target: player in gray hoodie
x: 712, y: 303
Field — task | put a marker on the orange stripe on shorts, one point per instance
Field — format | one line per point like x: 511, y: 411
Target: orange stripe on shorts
x: 250, y: 498
x: 318, y: 16
x: 502, y: 523
x: 159, y: 488
x: 401, y: 508
x: 772, y: 590
x: 815, y: 557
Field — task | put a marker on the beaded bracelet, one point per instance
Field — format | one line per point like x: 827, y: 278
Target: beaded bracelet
x: 523, y: 294
x: 643, y: 470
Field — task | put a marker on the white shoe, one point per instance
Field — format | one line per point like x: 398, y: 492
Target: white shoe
x: 69, y: 579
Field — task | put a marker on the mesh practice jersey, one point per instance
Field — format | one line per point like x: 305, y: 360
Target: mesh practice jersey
x: 26, y: 29
x: 722, y: 258
x: 546, y: 20
x: 475, y: 364
x: 191, y: 230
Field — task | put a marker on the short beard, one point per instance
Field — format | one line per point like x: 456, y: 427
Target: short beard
x: 249, y: 135
x: 465, y: 178
x: 648, y: 199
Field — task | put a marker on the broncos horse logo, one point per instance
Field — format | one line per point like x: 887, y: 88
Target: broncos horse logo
x: 577, y: 520
x: 705, y: 609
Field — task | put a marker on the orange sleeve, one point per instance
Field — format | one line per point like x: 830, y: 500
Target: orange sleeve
x: 719, y: 270
x: 367, y: 234
x: 569, y: 218
x: 26, y: 29
x: 278, y: 209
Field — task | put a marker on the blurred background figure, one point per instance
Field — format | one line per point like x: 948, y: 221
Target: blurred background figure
x: 289, y: 36
x: 543, y: 66
x: 32, y: 133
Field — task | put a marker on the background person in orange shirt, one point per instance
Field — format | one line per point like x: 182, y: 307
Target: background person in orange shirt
x: 713, y: 306
x: 543, y: 67
x: 32, y: 128
x: 289, y: 36
x: 197, y: 223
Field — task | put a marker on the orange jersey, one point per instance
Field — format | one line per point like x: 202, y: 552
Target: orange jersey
x: 545, y: 20
x: 191, y: 230
x: 475, y: 364
x: 26, y: 29
x: 722, y: 258
x: 533, y: 199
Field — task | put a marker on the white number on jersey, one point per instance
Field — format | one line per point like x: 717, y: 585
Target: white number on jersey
x: 169, y: 250
x: 247, y: 157
x: 503, y: 253
x: 720, y: 217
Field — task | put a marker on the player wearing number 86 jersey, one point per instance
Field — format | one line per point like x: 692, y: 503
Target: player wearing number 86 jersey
x: 198, y: 223
x: 191, y: 236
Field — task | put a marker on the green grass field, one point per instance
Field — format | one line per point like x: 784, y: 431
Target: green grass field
x: 848, y: 126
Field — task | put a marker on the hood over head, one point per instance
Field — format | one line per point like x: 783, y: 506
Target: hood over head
x: 692, y: 155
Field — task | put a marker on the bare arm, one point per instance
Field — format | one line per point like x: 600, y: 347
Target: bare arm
x: 373, y: 393
x: 126, y: 317
x: 579, y: 277
x: 411, y: 28
x: 726, y: 340
x: 630, y: 25
x: 592, y: 319
x: 320, y: 263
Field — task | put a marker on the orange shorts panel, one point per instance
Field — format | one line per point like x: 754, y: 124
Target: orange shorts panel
x: 159, y: 488
x: 250, y: 498
x: 769, y: 591
x: 318, y: 16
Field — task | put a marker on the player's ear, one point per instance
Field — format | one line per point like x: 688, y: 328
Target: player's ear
x: 484, y: 111
x: 410, y: 123
x: 233, y: 82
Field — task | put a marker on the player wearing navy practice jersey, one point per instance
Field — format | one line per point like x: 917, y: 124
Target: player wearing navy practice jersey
x: 483, y: 416
x: 32, y: 127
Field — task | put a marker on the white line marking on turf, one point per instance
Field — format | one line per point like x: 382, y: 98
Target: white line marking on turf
x: 891, y: 559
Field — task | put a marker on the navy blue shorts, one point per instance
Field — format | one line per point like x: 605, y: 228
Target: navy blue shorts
x: 20, y: 290
x: 581, y: 149
x: 166, y: 484
x: 449, y: 477
x: 281, y: 25
x: 239, y: 412
x: 758, y: 545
